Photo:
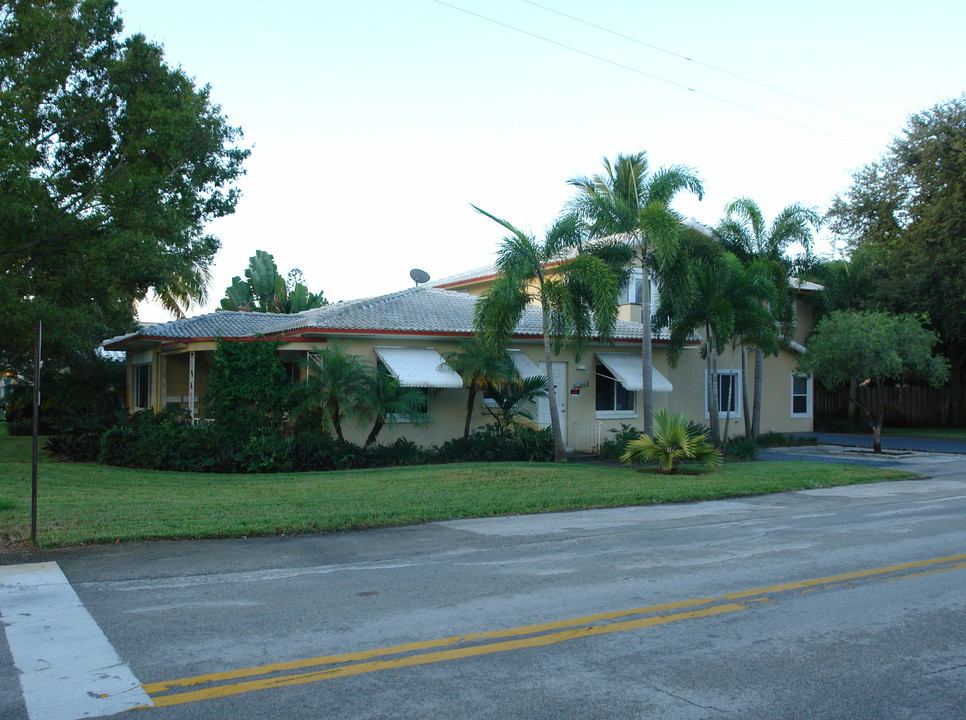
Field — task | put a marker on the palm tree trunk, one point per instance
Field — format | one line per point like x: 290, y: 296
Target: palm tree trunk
x: 744, y: 391
x: 647, y: 358
x: 336, y: 420
x: 712, y: 389
x: 559, y: 454
x: 756, y: 417
x: 469, y: 411
x: 374, y: 433
x: 728, y: 397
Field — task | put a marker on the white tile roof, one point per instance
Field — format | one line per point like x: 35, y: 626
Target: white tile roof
x: 419, y: 310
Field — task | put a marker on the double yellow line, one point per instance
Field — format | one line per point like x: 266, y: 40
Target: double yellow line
x: 529, y: 636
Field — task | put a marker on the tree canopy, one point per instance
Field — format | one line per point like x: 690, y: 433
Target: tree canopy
x: 112, y: 164
x: 905, y: 214
x: 575, y: 288
x: 873, y: 345
x: 633, y: 203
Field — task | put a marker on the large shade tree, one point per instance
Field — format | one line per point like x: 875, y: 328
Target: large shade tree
x: 575, y: 289
x: 765, y: 249
x: 907, y: 213
x: 112, y: 164
x: 629, y: 201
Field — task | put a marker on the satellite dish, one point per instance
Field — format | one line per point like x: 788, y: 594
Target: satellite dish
x: 419, y: 276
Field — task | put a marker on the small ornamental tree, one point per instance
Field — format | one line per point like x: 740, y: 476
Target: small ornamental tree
x: 875, y: 345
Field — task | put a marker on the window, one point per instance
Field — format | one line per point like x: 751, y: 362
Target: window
x: 612, y: 397
x: 423, y: 405
x: 293, y: 371
x: 633, y: 290
x: 801, y: 395
x: 729, y: 394
x: 142, y: 386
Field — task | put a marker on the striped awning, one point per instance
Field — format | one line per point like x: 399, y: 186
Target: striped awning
x: 626, y: 368
x: 525, y: 366
x: 418, y: 367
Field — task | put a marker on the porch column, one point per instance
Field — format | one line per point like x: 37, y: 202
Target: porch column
x: 191, y: 385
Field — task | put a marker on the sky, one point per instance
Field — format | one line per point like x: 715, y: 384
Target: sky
x: 374, y: 124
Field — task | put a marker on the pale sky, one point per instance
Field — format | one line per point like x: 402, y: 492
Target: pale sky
x: 375, y: 123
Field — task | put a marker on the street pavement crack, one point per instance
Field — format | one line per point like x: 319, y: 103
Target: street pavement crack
x: 690, y: 702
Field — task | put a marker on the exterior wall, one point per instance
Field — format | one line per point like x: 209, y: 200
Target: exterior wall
x: 174, y: 378
x: 804, y: 319
x: 584, y: 426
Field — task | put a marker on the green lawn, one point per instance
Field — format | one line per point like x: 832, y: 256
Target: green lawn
x: 82, y: 503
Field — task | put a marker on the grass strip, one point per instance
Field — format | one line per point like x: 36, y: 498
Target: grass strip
x: 81, y: 503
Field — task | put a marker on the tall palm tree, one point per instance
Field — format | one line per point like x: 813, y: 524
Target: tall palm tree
x: 720, y: 300
x: 482, y: 368
x: 745, y: 233
x: 577, y: 295
x: 628, y: 201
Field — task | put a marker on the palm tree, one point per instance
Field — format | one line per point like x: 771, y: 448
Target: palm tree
x: 577, y: 295
x: 675, y: 440
x: 337, y: 378
x: 184, y: 286
x: 383, y: 402
x: 629, y: 202
x: 482, y: 368
x: 744, y: 232
x: 710, y: 297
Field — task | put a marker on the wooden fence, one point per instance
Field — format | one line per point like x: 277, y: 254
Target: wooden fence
x: 904, y: 406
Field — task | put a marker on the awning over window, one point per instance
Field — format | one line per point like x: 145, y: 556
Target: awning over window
x: 419, y: 367
x: 626, y: 367
x: 525, y: 366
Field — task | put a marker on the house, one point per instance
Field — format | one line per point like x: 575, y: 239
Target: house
x: 410, y: 330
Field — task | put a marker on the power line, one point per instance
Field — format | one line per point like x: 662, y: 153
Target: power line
x: 723, y: 71
x: 657, y: 77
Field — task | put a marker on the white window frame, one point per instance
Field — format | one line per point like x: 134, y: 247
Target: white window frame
x: 628, y: 293
x: 612, y: 414
x: 736, y: 398
x: 808, y: 395
x: 403, y: 420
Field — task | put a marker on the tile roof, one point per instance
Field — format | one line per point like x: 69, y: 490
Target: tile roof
x: 414, y: 310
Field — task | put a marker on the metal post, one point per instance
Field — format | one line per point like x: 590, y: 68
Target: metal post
x: 33, y: 484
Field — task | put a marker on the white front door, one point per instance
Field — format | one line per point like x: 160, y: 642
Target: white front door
x: 560, y: 392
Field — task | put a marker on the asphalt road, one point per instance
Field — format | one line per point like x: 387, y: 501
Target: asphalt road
x: 835, y: 603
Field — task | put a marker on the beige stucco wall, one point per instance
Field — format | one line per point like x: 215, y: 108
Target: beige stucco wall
x: 447, y: 407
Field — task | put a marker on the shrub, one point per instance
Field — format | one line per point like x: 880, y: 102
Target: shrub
x: 741, y: 448
x: 537, y: 445
x: 612, y: 449
x: 672, y: 442
x: 774, y: 439
x: 401, y: 452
